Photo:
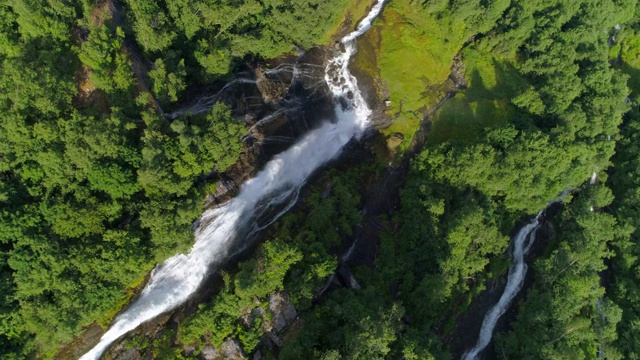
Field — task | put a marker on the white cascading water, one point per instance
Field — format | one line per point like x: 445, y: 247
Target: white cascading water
x: 517, y: 271
x: 521, y: 245
x: 177, y: 278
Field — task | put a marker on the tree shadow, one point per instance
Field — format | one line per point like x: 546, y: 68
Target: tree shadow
x: 464, y: 117
x: 634, y: 79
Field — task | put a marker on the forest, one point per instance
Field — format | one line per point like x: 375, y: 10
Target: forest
x: 99, y: 182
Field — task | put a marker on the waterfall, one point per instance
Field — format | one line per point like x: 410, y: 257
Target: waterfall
x: 517, y: 271
x: 521, y: 245
x: 177, y: 278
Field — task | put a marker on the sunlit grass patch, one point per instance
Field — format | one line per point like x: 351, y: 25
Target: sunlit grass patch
x: 415, y: 57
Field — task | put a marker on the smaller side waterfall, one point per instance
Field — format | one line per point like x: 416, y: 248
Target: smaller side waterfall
x: 517, y: 271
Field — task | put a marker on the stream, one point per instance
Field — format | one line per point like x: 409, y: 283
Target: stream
x: 517, y: 271
x: 268, y: 195
x: 521, y: 244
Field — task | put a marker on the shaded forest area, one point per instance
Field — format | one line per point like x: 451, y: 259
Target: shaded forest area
x: 97, y: 186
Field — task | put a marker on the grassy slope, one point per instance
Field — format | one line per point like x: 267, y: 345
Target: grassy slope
x: 415, y: 55
x: 412, y: 51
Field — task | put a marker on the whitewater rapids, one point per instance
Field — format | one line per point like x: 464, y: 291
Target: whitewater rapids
x: 177, y: 278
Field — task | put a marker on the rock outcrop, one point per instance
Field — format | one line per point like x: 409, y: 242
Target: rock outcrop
x: 208, y: 353
x: 282, y: 311
x: 232, y: 350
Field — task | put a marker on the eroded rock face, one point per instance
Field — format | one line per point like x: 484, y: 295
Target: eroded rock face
x: 273, y: 83
x: 286, y: 101
x: 273, y: 337
x: 250, y: 317
x: 122, y: 352
x: 457, y: 73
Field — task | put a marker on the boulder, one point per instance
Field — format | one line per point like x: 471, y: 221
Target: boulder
x: 282, y: 311
x: 394, y: 141
x: 231, y: 350
x: 208, y: 353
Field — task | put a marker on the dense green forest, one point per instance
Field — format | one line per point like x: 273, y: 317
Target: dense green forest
x: 97, y: 186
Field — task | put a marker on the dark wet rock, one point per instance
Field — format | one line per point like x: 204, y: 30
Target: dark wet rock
x: 245, y: 98
x: 275, y: 339
x: 284, y: 103
x: 268, y: 125
x: 273, y: 85
x: 227, y: 186
x: 257, y: 355
x: 380, y: 119
x: 259, y: 312
x: 278, y: 322
x: 457, y: 74
x: 347, y: 278
x: 231, y: 350
x: 119, y: 351
x: 208, y: 353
